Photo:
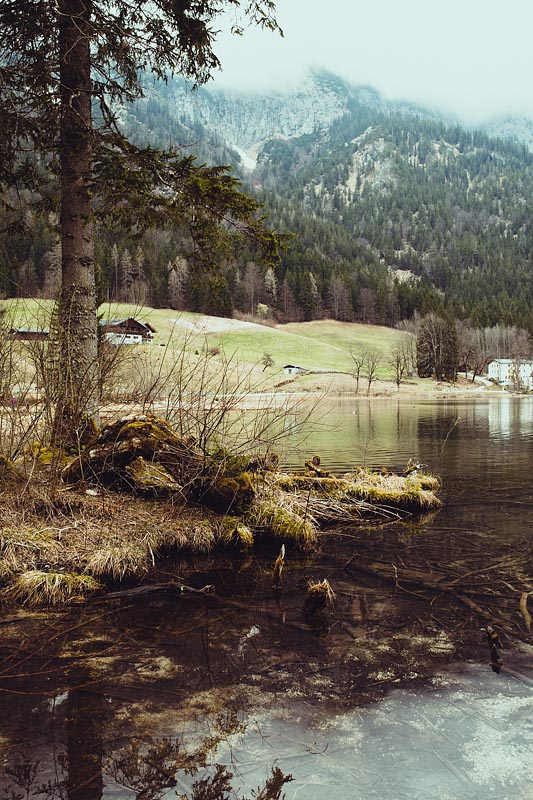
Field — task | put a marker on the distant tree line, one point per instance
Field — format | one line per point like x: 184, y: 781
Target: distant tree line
x: 392, y: 214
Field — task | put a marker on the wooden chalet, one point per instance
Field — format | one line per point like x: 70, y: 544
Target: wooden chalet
x: 128, y: 327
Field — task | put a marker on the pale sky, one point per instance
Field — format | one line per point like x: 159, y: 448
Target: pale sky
x: 470, y: 57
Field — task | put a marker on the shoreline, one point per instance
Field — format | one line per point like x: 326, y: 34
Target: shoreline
x: 295, y: 392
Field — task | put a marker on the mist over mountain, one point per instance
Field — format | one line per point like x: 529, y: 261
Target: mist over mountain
x: 395, y: 208
x: 391, y: 202
x: 246, y: 120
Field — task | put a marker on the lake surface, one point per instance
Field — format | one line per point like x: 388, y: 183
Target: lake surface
x: 386, y: 695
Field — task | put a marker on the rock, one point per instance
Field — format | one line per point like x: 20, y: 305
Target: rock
x: 151, y: 478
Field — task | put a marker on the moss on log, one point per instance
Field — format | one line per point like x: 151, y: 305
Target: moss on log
x: 150, y: 478
x: 409, y: 493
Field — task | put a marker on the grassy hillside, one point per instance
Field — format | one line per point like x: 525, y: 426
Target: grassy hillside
x: 320, y: 345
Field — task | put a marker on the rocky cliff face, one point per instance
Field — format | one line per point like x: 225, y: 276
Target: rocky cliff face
x: 245, y: 120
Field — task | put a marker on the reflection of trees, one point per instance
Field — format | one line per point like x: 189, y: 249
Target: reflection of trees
x: 85, y: 711
x: 146, y: 769
x: 86, y: 686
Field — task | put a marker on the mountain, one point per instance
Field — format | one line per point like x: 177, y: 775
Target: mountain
x: 396, y: 208
x: 245, y: 121
x: 516, y: 129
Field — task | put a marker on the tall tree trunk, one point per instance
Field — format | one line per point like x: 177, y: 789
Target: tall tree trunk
x: 77, y: 410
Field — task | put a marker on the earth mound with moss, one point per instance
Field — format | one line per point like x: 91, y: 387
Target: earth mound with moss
x: 141, y: 492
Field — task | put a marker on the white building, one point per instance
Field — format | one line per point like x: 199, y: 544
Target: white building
x: 292, y: 369
x: 516, y: 372
x: 123, y: 338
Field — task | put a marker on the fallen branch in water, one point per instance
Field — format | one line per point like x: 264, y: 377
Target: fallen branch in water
x: 161, y: 588
x: 525, y: 612
x: 491, y: 604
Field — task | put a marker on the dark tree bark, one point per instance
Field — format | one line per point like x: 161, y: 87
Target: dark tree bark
x: 57, y: 59
x: 84, y: 744
x: 77, y: 411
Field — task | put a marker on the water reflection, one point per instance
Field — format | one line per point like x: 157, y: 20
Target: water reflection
x: 120, y: 699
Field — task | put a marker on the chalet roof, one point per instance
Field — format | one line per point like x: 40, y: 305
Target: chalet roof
x: 511, y: 361
x: 112, y: 323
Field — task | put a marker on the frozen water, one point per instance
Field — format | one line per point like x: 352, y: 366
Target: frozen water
x: 468, y: 738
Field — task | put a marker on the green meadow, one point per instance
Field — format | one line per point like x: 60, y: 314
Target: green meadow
x: 317, y: 345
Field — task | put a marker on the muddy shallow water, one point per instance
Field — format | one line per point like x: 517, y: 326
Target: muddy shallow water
x: 384, y: 695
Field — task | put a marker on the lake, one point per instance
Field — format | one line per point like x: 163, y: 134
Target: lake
x: 388, y: 694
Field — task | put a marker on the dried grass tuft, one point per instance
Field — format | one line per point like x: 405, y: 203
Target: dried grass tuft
x: 233, y: 531
x: 285, y: 517
x: 22, y: 548
x: 322, y: 589
x: 116, y: 561
x: 201, y: 537
x: 38, y: 588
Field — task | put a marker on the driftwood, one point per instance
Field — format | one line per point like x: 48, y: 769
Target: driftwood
x: 161, y: 588
x: 525, y: 612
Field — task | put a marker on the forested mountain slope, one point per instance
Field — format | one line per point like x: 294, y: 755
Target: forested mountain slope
x: 395, y: 208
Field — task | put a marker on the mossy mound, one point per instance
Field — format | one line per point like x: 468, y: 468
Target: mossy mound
x: 413, y: 492
x: 143, y: 454
x: 121, y: 453
x: 278, y: 517
x: 227, y: 494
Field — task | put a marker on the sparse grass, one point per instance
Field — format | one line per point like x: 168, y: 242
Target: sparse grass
x: 22, y: 548
x: 116, y: 561
x: 38, y: 588
x: 321, y: 344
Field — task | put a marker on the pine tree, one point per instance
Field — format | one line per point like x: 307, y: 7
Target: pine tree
x: 79, y: 55
x: 271, y: 287
x: 115, y: 262
x: 178, y: 275
x: 126, y: 277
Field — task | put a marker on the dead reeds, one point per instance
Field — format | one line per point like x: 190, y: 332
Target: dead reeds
x: 363, y: 492
x: 37, y: 587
